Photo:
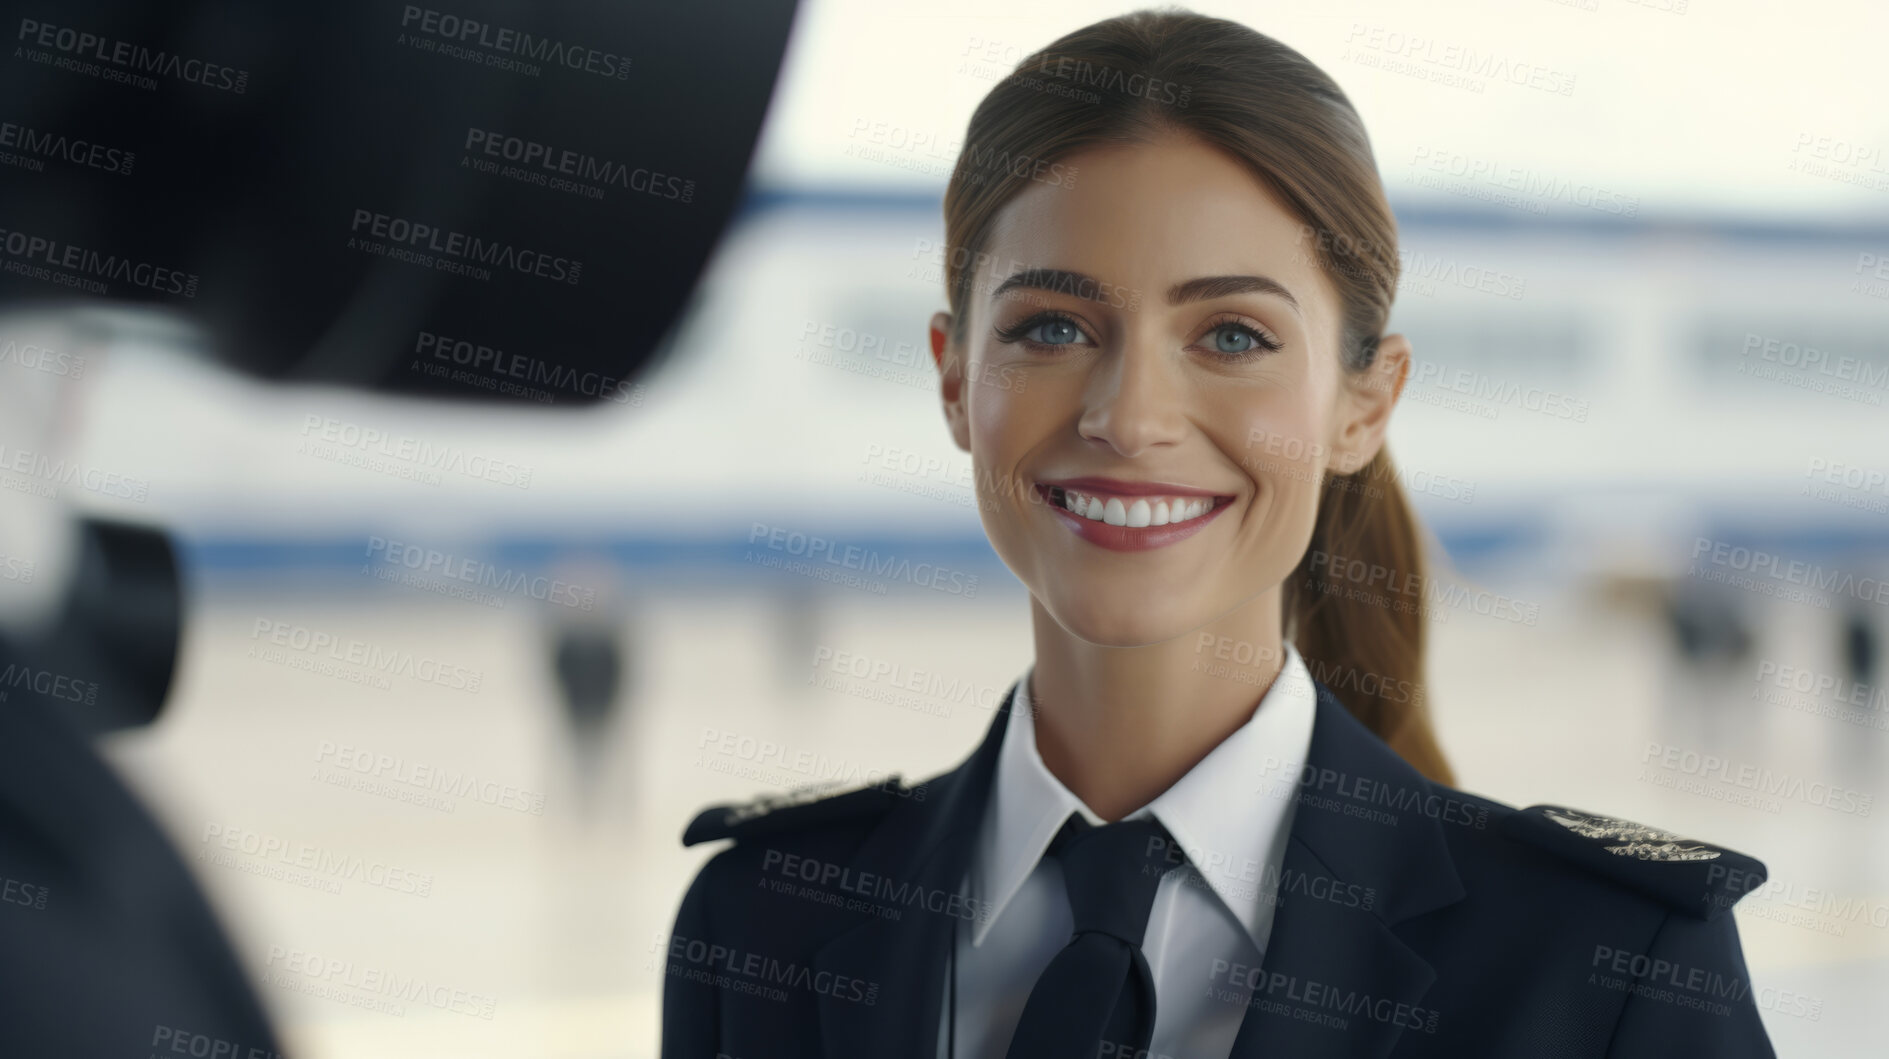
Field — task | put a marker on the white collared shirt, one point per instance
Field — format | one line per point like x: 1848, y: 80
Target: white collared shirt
x: 1211, y: 915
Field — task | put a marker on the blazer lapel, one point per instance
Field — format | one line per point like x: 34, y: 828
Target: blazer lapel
x: 1366, y: 852
x: 919, y: 852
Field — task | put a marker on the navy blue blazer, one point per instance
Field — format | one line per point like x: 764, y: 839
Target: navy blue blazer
x: 1412, y: 920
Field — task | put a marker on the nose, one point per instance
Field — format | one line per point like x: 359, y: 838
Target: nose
x: 1133, y: 401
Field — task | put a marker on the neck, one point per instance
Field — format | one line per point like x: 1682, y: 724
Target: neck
x: 1119, y: 725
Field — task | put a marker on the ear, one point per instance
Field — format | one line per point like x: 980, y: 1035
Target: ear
x: 949, y: 357
x: 1365, y: 402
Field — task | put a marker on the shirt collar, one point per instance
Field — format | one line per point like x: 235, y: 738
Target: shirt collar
x: 1234, y: 851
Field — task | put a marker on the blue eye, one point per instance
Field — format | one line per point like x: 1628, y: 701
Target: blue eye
x: 1238, y: 340
x: 1054, y: 332
x: 1044, y: 329
x: 1230, y: 338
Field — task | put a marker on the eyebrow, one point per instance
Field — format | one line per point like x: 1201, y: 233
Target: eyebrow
x: 1220, y: 286
x: 1055, y: 280
x: 1063, y: 281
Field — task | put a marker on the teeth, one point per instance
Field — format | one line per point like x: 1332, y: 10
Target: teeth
x: 1136, y: 513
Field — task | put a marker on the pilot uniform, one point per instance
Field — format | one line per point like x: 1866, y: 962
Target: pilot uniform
x: 1403, y: 918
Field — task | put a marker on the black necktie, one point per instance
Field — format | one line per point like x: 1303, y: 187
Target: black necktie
x: 1096, y: 997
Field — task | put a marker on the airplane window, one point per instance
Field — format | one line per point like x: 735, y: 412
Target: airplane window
x: 1536, y: 348
x: 1821, y: 355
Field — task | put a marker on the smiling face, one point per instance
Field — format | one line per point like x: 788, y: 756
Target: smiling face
x: 1155, y: 340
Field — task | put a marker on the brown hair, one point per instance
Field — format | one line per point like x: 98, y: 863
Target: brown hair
x: 1128, y: 79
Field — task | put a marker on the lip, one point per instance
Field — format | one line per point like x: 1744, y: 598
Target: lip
x: 1130, y: 538
x: 1098, y: 484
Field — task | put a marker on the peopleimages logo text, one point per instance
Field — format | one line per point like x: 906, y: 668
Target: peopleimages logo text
x: 472, y: 32
x: 126, y: 55
x: 419, y: 235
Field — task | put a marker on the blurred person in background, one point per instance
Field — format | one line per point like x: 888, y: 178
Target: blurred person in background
x: 1212, y: 818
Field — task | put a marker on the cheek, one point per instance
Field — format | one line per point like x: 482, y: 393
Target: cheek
x: 1006, y: 422
x: 1280, y: 445
x: 1009, y: 411
x: 994, y: 414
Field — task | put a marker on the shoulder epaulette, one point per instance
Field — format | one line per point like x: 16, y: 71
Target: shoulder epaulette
x: 818, y: 803
x: 1696, y: 877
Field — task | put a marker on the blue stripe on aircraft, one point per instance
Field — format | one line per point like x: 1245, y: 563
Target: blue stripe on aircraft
x: 1467, y: 544
x: 1851, y: 232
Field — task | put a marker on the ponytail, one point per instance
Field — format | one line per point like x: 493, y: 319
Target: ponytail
x: 1355, y: 609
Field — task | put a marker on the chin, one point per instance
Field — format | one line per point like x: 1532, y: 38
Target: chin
x: 1120, y: 622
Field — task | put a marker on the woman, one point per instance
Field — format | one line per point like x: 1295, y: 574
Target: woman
x: 1211, y: 820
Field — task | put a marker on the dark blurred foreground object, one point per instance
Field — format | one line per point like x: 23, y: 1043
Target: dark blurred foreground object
x: 460, y: 198
x: 105, y: 663
x: 473, y: 200
x: 106, y: 946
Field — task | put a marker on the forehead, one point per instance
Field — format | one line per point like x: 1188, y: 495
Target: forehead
x: 1147, y: 216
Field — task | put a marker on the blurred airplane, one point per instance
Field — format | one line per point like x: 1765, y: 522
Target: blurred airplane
x: 1595, y: 399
